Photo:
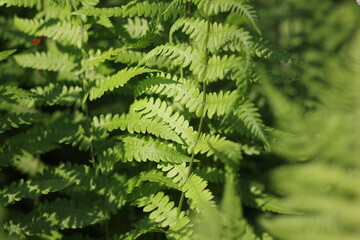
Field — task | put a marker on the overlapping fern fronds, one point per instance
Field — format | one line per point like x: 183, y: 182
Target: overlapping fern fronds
x: 121, y: 122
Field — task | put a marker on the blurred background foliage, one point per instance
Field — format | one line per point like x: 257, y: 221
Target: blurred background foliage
x: 317, y: 116
x: 316, y: 32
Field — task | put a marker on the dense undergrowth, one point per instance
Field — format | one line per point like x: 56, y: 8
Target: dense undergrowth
x: 178, y: 120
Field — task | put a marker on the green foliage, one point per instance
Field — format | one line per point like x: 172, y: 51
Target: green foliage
x: 5, y: 54
x: 134, y: 155
x: 64, y: 32
x: 321, y: 179
x: 150, y: 120
x: 46, y: 61
x: 21, y: 3
x: 115, y: 81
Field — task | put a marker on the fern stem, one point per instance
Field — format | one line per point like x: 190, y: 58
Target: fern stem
x: 202, y: 115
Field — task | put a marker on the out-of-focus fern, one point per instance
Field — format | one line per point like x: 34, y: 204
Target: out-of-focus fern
x: 322, y: 177
x: 5, y: 54
x: 46, y: 61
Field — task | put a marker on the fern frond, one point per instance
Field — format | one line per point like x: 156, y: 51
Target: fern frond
x: 200, y: 198
x: 59, y: 95
x: 159, y: 177
x: 140, y: 229
x: 211, y: 174
x: 65, y: 214
x: 154, y: 84
x: 11, y: 94
x: 136, y: 27
x: 14, y: 120
x: 265, y: 49
x: 130, y: 56
x: 135, y: 122
x: 22, y: 3
x: 53, y: 180
x: 219, y: 66
x: 14, y: 36
x: 5, y: 54
x: 194, y: 27
x: 177, y: 172
x: 46, y: 61
x: 30, y: 189
x: 109, y: 157
x: 151, y: 108
x: 249, y: 114
x: 38, y: 139
x: 144, y: 9
x: 134, y: 57
x: 163, y: 211
x: 143, y: 149
x: 230, y: 154
x: 117, y: 80
x: 180, y: 54
x: 60, y: 31
x: 242, y: 8
x: 233, y: 223
x: 219, y: 36
x: 80, y: 138
x: 252, y: 195
x: 97, y: 57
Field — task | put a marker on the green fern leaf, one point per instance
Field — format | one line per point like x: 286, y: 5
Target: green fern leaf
x: 142, y: 149
x: 135, y: 122
x: 22, y: 3
x: 14, y: 120
x: 242, y: 8
x: 60, y: 31
x: 219, y: 36
x: 144, y: 9
x: 9, y: 32
x: 248, y: 114
x: 182, y: 55
x: 137, y: 27
x: 151, y: 108
x: 52, y: 180
x: 5, y: 54
x: 58, y: 95
x: 12, y: 94
x: 177, y: 172
x: 38, y: 139
x: 141, y: 228
x: 188, y: 95
x: 65, y: 214
x: 163, y: 212
x: 116, y: 80
x: 31, y: 189
x: 253, y: 196
x: 159, y: 177
x: 46, y: 61
x: 211, y: 174
x: 200, y: 198
x: 134, y: 57
x: 265, y: 49
x: 97, y: 57
x: 218, y: 66
x: 109, y: 157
